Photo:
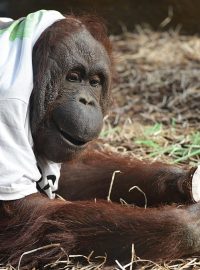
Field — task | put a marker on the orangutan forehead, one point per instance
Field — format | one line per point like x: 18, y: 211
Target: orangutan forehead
x: 81, y: 46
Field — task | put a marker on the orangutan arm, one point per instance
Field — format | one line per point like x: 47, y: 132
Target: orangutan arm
x: 90, y: 178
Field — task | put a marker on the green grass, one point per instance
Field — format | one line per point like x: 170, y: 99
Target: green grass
x: 181, y: 148
x: 177, y: 144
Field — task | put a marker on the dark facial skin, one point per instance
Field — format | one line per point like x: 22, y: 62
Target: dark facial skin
x: 72, y: 94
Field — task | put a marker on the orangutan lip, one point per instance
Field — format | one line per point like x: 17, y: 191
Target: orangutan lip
x: 69, y: 138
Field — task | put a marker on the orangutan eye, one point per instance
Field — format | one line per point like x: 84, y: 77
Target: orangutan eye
x: 95, y: 81
x: 73, y: 77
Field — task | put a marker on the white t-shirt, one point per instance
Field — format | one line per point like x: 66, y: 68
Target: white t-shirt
x: 18, y: 165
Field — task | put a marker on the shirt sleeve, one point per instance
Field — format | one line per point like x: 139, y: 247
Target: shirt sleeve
x: 18, y: 166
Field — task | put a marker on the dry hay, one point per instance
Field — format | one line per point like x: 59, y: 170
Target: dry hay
x: 158, y: 76
x: 158, y: 82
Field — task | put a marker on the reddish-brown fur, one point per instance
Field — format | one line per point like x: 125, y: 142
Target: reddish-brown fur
x: 104, y: 227
x: 84, y: 225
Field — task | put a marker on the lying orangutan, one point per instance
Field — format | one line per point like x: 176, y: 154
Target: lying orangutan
x: 55, y: 81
